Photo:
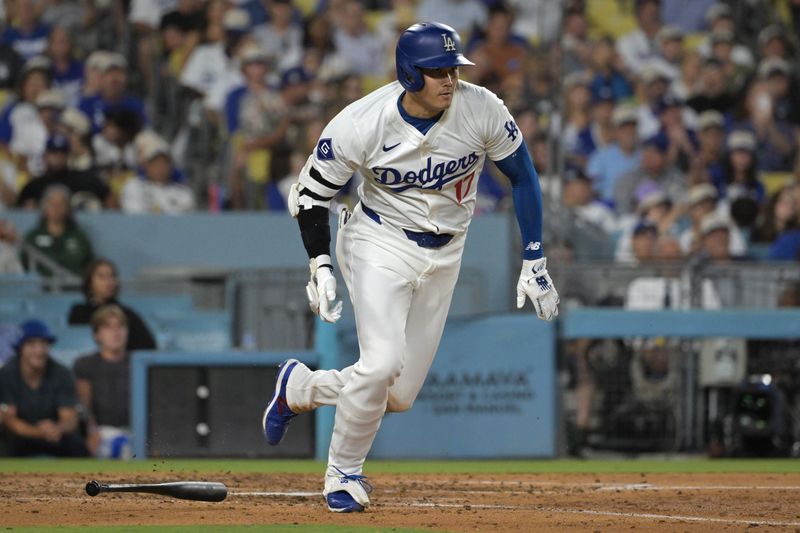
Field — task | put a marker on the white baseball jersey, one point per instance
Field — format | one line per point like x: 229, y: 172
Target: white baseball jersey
x: 414, y: 181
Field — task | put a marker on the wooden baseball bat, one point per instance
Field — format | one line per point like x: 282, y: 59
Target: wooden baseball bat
x: 202, y: 491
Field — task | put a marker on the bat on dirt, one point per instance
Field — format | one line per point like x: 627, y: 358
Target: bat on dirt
x: 202, y: 491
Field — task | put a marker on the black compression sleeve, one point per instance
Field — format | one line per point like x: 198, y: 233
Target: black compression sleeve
x: 316, y: 230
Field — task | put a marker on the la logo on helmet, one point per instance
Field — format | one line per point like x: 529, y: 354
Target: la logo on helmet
x: 449, y: 43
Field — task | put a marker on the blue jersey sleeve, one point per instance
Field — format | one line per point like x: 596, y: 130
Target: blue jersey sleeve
x: 527, y: 197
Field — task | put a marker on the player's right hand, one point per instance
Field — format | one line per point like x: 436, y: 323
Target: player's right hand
x: 535, y: 283
x: 321, y: 290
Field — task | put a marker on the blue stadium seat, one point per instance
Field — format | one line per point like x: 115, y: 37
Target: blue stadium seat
x: 72, y: 342
x: 154, y: 307
x: 196, y: 331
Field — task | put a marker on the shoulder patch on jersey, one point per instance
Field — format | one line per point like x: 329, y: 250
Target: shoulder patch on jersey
x: 325, y: 150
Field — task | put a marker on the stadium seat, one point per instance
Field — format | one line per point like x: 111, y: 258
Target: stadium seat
x: 197, y: 331
x: 71, y: 343
x: 609, y: 17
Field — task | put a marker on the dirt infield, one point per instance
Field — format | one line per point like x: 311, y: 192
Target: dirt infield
x: 480, y: 502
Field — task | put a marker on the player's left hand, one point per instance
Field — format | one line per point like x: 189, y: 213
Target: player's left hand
x: 321, y: 290
x: 535, y: 283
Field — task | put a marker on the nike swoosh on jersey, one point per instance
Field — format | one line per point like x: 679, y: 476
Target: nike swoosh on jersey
x: 386, y: 149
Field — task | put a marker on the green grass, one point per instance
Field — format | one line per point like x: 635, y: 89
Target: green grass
x: 321, y: 528
x: 89, y: 466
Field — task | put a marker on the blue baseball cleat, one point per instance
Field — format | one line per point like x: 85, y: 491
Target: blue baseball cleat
x: 346, y: 493
x: 277, y: 415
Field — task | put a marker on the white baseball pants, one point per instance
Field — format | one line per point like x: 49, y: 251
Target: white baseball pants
x: 401, y: 294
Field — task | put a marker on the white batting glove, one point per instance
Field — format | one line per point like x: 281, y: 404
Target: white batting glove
x: 535, y: 283
x: 321, y: 290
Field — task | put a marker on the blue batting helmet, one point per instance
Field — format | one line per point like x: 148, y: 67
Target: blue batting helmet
x: 426, y: 45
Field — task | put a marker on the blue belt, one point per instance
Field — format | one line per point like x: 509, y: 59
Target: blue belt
x: 426, y: 239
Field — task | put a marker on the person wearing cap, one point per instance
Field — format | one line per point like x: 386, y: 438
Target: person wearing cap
x: 606, y: 75
x: 112, y: 95
x: 56, y: 172
x: 154, y: 191
x: 713, y: 92
x: 58, y: 236
x: 775, y: 138
x: 607, y: 164
x: 639, y: 46
x: 256, y: 118
x: 783, y: 88
x: 76, y: 126
x: 654, y: 167
x: 741, y: 174
x: 102, y: 380
x: 681, y: 141
x: 701, y: 202
x: 39, y: 398
x: 715, y: 238
x: 21, y: 130
x: 773, y: 42
x: 671, y: 50
x: 67, y: 71
x: 707, y: 166
x: 719, y: 18
x: 654, y: 86
x: 28, y: 35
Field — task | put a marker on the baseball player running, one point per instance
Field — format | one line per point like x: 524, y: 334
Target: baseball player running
x: 420, y: 143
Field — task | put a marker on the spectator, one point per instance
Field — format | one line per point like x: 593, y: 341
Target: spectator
x: 654, y: 87
x: 208, y: 63
x: 786, y: 247
x: 577, y: 106
x: 578, y: 197
x: 688, y: 82
x: 21, y: 130
x: 774, y: 138
x: 155, y: 191
x: 66, y: 70
x: 681, y: 141
x: 639, y: 46
x: 654, y: 168
x: 500, y: 53
x: 9, y: 255
x: 85, y: 188
x: 93, y: 70
x: 645, y: 237
x: 113, y: 94
x: 575, y: 44
x: 708, y: 164
x: 280, y: 38
x: 670, y: 50
x: 654, y: 208
x: 741, y: 169
x: 773, y: 42
x: 599, y: 133
x: 102, y: 380
x: 363, y: 49
x: 701, y: 201
x: 720, y: 19
x: 39, y: 397
x: 100, y: 287
x: 11, y: 65
x: 712, y: 92
x: 715, y: 234
x: 723, y: 44
x: 780, y: 215
x: 76, y: 126
x: 58, y: 236
x: 28, y: 36
x: 607, y: 164
x: 782, y: 87
x: 463, y: 15
x: 606, y: 74
x: 113, y: 145
x: 320, y: 50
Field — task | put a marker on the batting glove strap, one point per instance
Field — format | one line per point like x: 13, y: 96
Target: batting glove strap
x: 535, y: 283
x: 321, y: 290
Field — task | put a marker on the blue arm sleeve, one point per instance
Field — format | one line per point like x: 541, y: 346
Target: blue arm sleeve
x: 527, y: 197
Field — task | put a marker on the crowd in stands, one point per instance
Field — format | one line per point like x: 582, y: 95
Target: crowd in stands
x: 215, y: 105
